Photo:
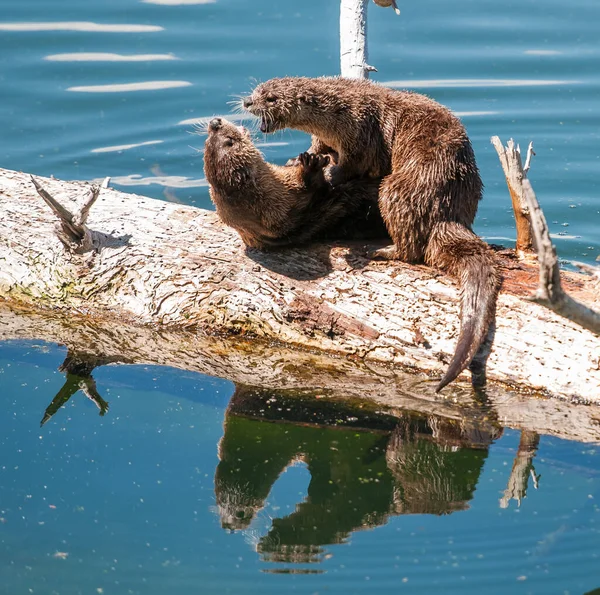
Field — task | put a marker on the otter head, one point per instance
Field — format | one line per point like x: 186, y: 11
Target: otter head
x: 229, y: 154
x: 279, y: 103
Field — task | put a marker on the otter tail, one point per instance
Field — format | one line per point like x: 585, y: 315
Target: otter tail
x: 457, y: 250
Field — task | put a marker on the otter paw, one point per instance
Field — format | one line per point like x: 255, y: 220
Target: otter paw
x: 293, y: 161
x: 312, y: 162
x: 387, y: 253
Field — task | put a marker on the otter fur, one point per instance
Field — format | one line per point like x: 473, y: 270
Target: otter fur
x: 272, y: 206
x: 431, y: 185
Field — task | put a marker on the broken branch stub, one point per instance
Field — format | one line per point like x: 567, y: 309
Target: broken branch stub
x: 72, y: 230
x: 515, y: 174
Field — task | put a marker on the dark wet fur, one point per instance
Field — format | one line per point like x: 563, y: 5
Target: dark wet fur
x: 431, y: 185
x: 274, y: 206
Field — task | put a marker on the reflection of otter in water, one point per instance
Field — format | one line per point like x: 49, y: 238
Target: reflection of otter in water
x: 359, y: 478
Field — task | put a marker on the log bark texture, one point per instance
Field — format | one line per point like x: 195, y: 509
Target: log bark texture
x: 169, y: 265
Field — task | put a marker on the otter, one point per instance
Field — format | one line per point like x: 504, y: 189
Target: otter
x: 431, y: 185
x: 272, y: 206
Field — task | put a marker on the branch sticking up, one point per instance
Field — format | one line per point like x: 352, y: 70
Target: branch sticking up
x: 515, y: 173
x: 550, y: 292
x: 72, y: 230
x: 353, y: 39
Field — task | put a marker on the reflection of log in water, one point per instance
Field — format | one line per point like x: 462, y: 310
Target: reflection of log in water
x: 359, y: 478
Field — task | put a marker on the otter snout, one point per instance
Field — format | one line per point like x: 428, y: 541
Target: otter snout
x: 247, y: 102
x: 215, y: 124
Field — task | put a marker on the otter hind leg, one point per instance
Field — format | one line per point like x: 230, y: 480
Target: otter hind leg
x: 404, y: 206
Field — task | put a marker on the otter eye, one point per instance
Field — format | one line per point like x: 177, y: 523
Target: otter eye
x: 228, y: 142
x: 271, y: 98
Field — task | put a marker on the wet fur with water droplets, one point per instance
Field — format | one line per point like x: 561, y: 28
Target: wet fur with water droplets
x: 272, y: 206
x: 431, y: 185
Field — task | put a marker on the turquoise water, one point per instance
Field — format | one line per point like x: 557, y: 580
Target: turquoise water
x: 181, y: 488
x: 525, y: 69
x: 138, y: 500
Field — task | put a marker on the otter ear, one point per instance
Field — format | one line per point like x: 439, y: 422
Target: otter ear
x: 307, y: 99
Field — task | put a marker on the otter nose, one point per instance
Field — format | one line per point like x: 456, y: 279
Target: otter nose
x: 248, y: 102
x: 215, y: 124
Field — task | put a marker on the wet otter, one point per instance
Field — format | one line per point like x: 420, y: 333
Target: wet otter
x: 272, y: 206
x: 431, y: 186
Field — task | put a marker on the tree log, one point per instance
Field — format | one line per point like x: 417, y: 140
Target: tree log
x: 170, y: 265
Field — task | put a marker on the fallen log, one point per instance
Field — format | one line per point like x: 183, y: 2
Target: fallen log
x: 174, y: 266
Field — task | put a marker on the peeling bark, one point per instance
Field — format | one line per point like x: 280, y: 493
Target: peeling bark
x: 173, y: 266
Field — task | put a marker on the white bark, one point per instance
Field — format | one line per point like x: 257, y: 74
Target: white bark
x: 549, y: 292
x: 177, y: 266
x: 515, y: 174
x: 353, y: 39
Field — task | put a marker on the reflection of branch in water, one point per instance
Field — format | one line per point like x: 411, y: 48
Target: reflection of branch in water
x: 78, y: 368
x: 522, y: 469
x: 384, y: 466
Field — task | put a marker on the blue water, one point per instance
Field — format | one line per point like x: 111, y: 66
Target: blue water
x: 178, y: 490
x: 138, y: 501
x: 525, y: 69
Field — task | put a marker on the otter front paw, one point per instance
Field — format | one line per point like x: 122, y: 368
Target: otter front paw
x: 313, y: 162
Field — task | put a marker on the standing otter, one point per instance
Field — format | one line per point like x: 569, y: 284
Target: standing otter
x: 272, y: 206
x: 431, y: 187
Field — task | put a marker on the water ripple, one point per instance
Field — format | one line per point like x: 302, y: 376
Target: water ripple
x: 126, y: 87
x: 447, y: 83
x: 178, y: 2
x: 167, y: 181
x: 108, y: 57
x: 206, y: 119
x: 125, y: 147
x: 86, y: 26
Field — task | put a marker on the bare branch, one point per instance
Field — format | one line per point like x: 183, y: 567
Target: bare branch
x: 530, y: 153
x: 550, y: 292
x: 353, y: 39
x: 530, y: 218
x: 515, y: 173
x: 80, y: 218
x: 72, y: 230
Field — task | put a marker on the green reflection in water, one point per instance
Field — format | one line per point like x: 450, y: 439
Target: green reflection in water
x: 367, y: 467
